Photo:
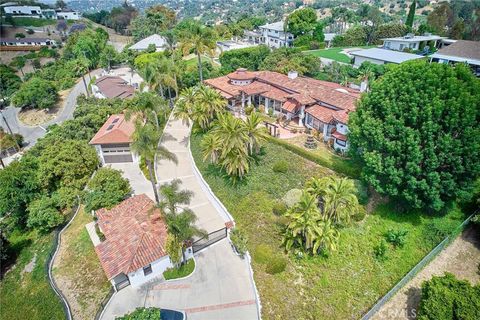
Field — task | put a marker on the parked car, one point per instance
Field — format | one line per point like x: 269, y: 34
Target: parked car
x: 166, y: 314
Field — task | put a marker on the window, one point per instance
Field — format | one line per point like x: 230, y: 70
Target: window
x: 147, y: 270
x: 341, y: 142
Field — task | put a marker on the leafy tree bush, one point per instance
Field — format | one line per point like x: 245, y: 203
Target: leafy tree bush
x: 281, y: 166
x: 43, y: 214
x: 418, y: 133
x: 36, y: 93
x: 276, y: 265
x: 380, y: 251
x: 262, y: 253
x: 249, y: 58
x: 302, y: 21
x: 239, y: 240
x: 355, y: 36
x: 9, y: 81
x: 396, y: 237
x: 174, y: 249
x: 4, y: 247
x: 142, y: 314
x: 445, y: 298
x: 106, y: 189
x: 156, y: 19
x: 284, y: 60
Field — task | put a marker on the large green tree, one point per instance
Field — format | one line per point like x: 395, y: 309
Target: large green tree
x: 9, y: 82
x: 106, y: 189
x: 411, y: 15
x: 284, y: 60
x: 302, y: 21
x: 418, y: 133
x: 36, y: 93
x: 156, y: 19
x: 249, y: 58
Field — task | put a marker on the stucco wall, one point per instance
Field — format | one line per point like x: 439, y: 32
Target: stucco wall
x: 137, y: 278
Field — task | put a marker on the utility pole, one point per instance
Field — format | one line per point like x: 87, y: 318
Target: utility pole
x: 6, y: 123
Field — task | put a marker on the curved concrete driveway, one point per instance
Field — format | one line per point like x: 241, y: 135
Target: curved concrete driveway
x: 222, y: 285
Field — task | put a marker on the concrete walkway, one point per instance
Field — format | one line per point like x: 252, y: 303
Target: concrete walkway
x: 131, y: 171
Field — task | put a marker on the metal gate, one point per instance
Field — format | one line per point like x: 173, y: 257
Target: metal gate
x: 209, y: 239
x: 121, y: 281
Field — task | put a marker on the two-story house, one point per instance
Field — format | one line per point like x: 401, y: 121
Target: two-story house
x: 274, y: 35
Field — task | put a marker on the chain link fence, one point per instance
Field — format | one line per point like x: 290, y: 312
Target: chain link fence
x: 417, y: 268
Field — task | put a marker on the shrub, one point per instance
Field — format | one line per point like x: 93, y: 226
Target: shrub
x: 397, y: 237
x: 43, y: 214
x: 276, y: 265
x: 36, y: 93
x: 239, y: 240
x: 280, y: 166
x: 292, y: 197
x: 360, y: 214
x: 30, y: 31
x: 362, y: 191
x: 263, y: 253
x: 249, y: 110
x: 106, y: 189
x: 279, y: 208
x: 449, y: 298
x: 142, y: 314
x: 380, y: 251
x: 19, y: 35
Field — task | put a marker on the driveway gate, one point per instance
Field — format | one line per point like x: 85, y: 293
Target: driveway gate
x: 209, y: 239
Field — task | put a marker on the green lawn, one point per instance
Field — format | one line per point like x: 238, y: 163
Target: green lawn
x: 348, y: 282
x: 32, y: 22
x: 183, y: 271
x: 27, y: 294
x: 333, y: 53
x: 78, y: 271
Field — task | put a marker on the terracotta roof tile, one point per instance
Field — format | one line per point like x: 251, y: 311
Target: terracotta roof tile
x: 135, y: 236
x: 114, y: 87
x: 115, y: 130
x: 322, y: 113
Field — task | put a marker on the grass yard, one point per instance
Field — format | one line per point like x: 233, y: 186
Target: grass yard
x: 333, y: 53
x: 25, y: 292
x: 77, y: 270
x: 348, y: 282
x: 32, y: 22
x: 183, y: 271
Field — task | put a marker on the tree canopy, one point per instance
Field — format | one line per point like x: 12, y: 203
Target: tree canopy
x: 156, y: 19
x: 302, y: 21
x: 9, y: 81
x: 36, y: 93
x: 284, y: 60
x: 418, y: 133
x: 249, y: 58
x: 106, y: 189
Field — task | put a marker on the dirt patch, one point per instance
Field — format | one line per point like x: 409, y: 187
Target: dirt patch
x: 29, y: 267
x: 460, y: 258
x: 35, y: 117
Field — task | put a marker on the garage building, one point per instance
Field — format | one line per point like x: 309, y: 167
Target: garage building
x: 113, y: 140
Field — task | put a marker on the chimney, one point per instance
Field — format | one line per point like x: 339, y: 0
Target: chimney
x: 292, y: 74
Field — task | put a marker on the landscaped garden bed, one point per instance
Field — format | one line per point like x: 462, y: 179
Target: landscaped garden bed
x: 342, y: 285
x: 180, y: 272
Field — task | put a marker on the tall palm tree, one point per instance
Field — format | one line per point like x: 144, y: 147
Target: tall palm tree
x: 210, y: 101
x: 232, y: 133
x: 146, y: 145
x: 185, y: 105
x: 199, y: 39
x: 365, y: 74
x: 182, y: 226
x: 167, y: 75
x: 336, y: 197
x: 211, y: 148
x: 307, y: 228
x: 149, y: 105
x: 256, y: 132
x: 173, y: 196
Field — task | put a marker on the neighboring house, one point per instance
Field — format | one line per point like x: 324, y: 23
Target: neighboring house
x: 381, y: 56
x: 158, y: 41
x: 68, y: 15
x: 329, y: 39
x: 412, y: 42
x: 112, y: 141
x: 37, y: 12
x: 112, y: 87
x: 227, y: 45
x: 133, y: 251
x: 25, y: 44
x: 461, y: 51
x: 254, y: 37
x: 23, y: 10
x: 273, y: 35
x: 312, y: 103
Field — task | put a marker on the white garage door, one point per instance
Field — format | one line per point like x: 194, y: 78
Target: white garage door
x: 117, y: 153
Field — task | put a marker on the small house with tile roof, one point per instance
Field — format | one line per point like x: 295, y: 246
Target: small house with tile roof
x: 312, y: 103
x: 133, y: 250
x: 112, y: 141
x: 112, y: 87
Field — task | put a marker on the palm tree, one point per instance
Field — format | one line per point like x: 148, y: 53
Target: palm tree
x: 256, y: 132
x: 307, y: 228
x: 148, y: 105
x: 336, y: 197
x: 210, y: 102
x: 185, y: 105
x: 181, y: 225
x: 201, y: 40
x: 365, y: 74
x: 167, y: 75
x: 232, y: 133
x: 173, y: 196
x: 236, y: 163
x: 211, y: 147
x: 145, y: 144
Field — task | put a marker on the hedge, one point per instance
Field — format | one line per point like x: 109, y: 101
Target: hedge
x: 340, y: 166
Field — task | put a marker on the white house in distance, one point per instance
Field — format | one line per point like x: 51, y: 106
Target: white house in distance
x: 20, y: 44
x: 155, y: 39
x: 381, y: 56
x: 37, y: 12
x: 227, y: 45
x: 68, y: 15
x: 112, y: 141
x: 133, y: 249
x: 461, y: 51
x: 411, y: 41
x: 273, y: 35
x: 23, y: 10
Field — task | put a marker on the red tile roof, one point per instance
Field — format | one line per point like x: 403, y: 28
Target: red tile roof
x: 135, y: 236
x: 322, y: 113
x: 241, y: 74
x: 115, y: 130
x: 338, y: 135
x: 290, y: 106
x: 114, y: 87
x: 280, y: 87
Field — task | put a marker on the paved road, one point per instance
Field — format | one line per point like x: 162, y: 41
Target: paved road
x: 32, y: 133
x: 222, y: 285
